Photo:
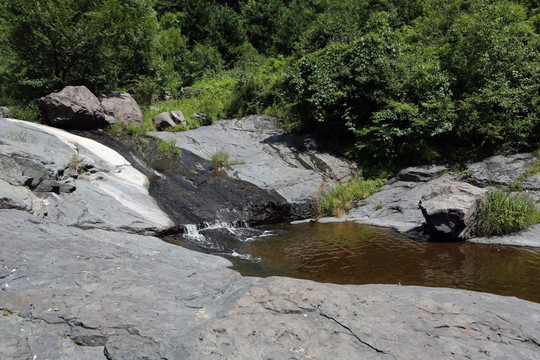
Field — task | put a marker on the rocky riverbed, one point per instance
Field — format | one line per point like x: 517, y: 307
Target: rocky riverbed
x: 78, y: 283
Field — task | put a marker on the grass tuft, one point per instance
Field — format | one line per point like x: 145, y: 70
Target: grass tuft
x: 501, y: 213
x: 344, y: 197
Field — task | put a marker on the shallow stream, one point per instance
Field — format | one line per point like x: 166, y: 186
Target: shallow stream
x: 348, y: 253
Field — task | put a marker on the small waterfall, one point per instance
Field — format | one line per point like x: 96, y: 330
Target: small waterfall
x: 191, y: 231
x: 222, y: 238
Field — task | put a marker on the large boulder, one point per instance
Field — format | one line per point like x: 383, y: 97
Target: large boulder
x: 75, y: 107
x: 120, y: 107
x: 449, y: 209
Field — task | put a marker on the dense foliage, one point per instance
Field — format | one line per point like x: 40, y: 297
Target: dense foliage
x: 386, y: 81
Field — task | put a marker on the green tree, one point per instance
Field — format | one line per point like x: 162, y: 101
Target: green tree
x: 492, y: 53
x: 92, y: 42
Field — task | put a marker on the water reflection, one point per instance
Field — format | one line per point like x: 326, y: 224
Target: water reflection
x: 347, y: 253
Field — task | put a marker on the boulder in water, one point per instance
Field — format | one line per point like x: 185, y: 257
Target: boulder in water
x: 449, y: 209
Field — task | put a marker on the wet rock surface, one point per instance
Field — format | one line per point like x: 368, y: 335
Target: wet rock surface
x: 293, y: 166
x: 70, y: 180
x: 191, y: 193
x: 94, y: 294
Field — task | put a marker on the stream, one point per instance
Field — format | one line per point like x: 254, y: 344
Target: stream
x: 206, y: 206
x: 349, y: 253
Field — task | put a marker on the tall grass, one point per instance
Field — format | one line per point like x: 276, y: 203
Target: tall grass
x: 344, y: 197
x: 501, y: 213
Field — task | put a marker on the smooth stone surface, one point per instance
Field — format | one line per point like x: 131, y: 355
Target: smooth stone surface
x: 120, y: 107
x: 449, y: 209
x: 291, y: 165
x: 501, y: 170
x: 35, y: 161
x: 528, y: 237
x: 95, y: 294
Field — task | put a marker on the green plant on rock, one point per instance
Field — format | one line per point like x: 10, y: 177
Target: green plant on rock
x: 344, y: 197
x: 75, y: 162
x: 6, y: 312
x: 500, y: 213
x: 221, y: 160
x: 168, y: 147
x: 467, y: 176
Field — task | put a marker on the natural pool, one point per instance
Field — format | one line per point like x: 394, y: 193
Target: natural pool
x: 348, y: 253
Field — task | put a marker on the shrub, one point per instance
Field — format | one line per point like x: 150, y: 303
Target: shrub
x: 344, y: 197
x: 168, y: 147
x: 501, y: 213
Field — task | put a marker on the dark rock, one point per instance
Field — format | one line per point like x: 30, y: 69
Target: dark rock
x: 420, y: 173
x: 178, y: 117
x: 204, y: 120
x: 294, y: 166
x: 75, y: 107
x: 120, y: 107
x: 163, y: 121
x: 501, y: 170
x: 449, y: 209
x: 5, y: 113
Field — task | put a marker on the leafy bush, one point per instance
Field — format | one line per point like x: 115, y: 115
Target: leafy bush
x: 344, y: 197
x: 376, y: 96
x: 501, y: 213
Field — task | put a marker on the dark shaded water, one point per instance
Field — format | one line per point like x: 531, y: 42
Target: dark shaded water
x: 348, y: 253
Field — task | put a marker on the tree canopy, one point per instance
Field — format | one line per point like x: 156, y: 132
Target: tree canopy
x: 389, y: 81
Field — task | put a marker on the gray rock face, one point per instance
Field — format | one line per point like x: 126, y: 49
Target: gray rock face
x: 75, y: 107
x: 120, y: 107
x: 267, y: 157
x: 449, y: 209
x: 396, y: 205
x: 5, y: 113
x: 502, y: 170
x: 96, y: 294
x: 178, y: 117
x: 163, y: 121
x: 71, y: 180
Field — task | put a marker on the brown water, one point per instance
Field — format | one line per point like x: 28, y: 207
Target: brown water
x: 348, y: 253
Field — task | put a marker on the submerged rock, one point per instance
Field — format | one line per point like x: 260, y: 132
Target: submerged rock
x: 449, y: 209
x: 96, y: 294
